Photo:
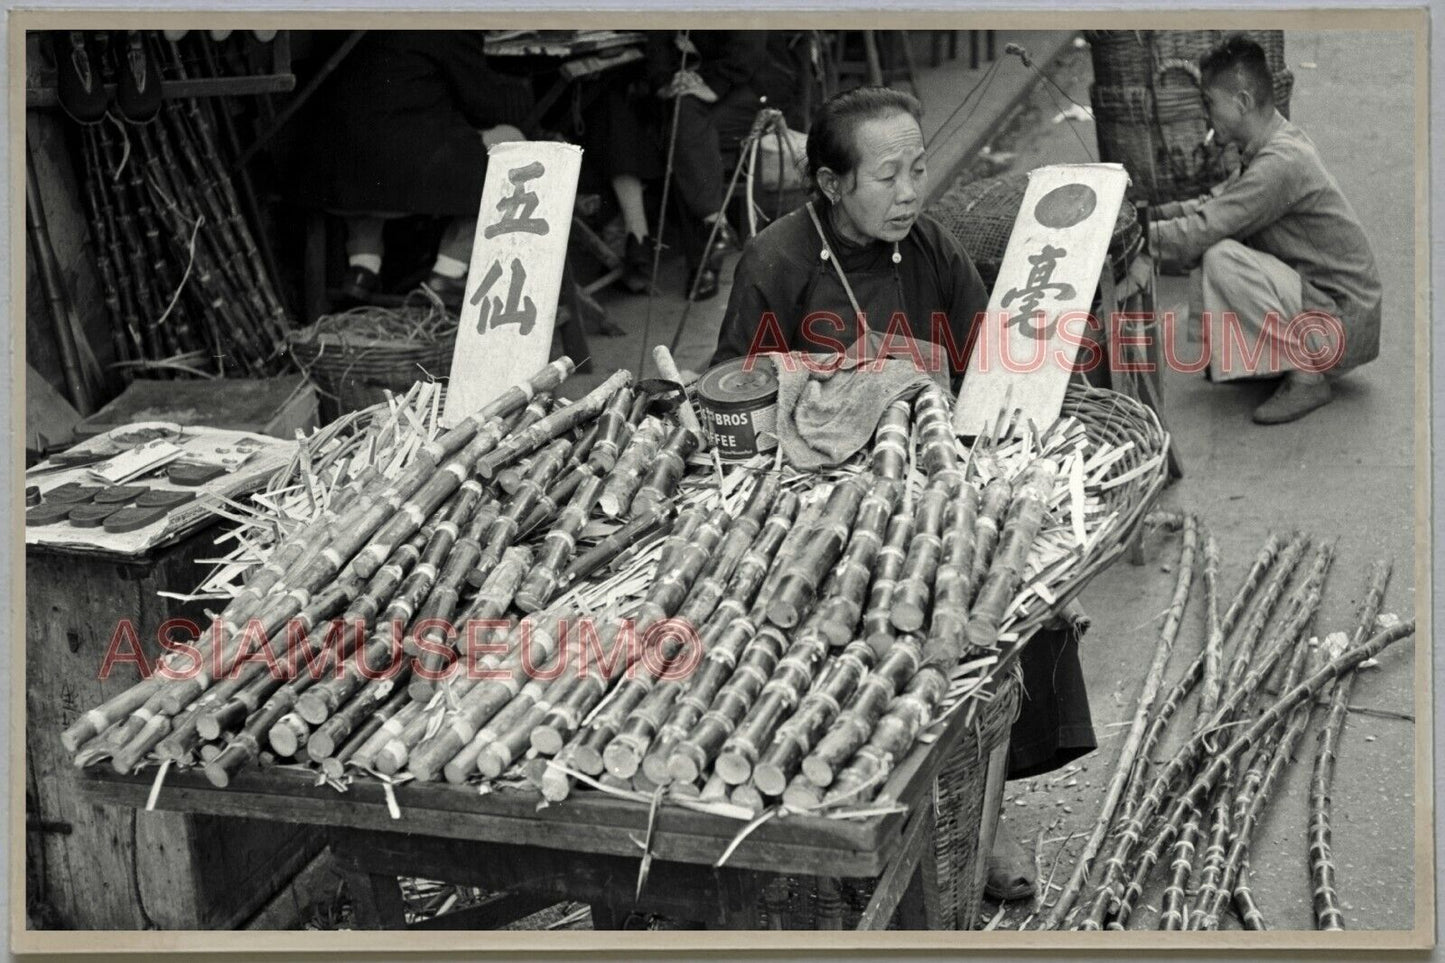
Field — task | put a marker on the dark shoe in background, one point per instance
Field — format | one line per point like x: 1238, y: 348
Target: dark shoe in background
x: 80, y: 86
x: 723, y: 241
x: 138, y: 79
x: 449, y: 291
x: 703, y: 284
x: 360, y: 285
x: 637, y: 263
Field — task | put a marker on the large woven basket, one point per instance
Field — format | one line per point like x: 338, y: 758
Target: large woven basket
x: 1148, y: 112
x: 352, y: 371
x: 812, y: 903
x: 980, y: 215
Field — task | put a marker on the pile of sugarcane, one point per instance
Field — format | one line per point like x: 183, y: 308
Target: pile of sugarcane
x: 184, y: 282
x: 1189, y: 822
x: 799, y: 632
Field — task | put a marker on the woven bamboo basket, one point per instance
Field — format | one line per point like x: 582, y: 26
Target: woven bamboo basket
x: 980, y: 215
x: 1148, y: 112
x: 354, y: 361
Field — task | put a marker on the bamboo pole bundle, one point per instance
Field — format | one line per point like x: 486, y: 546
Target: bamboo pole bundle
x: 798, y: 586
x: 1112, y: 887
x: 847, y: 588
x: 860, y: 714
x: 1031, y: 496
x: 1326, y: 905
x: 626, y: 476
x: 892, y: 443
x: 625, y: 752
x: 913, y: 589
x: 667, y: 469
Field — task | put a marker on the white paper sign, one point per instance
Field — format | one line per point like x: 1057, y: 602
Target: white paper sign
x: 516, y: 271
x: 1023, y: 356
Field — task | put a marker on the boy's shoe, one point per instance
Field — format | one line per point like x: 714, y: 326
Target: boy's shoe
x: 1294, y: 398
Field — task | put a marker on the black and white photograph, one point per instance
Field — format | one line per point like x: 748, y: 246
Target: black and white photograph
x: 721, y: 480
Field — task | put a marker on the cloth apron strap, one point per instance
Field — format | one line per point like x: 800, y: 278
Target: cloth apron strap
x: 829, y: 256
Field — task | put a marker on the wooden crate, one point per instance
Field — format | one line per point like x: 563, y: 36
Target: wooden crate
x: 94, y: 866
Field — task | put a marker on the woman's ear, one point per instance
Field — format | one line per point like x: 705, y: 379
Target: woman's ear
x: 830, y: 184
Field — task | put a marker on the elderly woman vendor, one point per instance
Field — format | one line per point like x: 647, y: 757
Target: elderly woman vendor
x: 864, y: 248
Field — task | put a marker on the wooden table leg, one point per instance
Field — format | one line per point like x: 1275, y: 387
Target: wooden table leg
x: 997, y: 773
x: 904, y: 881
x: 375, y: 899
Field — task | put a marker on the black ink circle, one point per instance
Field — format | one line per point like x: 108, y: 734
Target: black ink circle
x: 1066, y: 206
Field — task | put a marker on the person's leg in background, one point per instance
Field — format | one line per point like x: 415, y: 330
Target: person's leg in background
x: 454, y: 254
x: 1261, y: 295
x: 1054, y: 727
x: 365, y: 249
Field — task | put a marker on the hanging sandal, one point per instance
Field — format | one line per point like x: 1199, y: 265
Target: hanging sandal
x: 138, y: 79
x: 79, y: 84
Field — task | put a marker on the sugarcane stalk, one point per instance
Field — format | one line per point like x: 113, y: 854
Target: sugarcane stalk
x: 893, y: 735
x: 555, y: 425
x: 993, y: 504
x: 797, y: 736
x: 735, y: 628
x: 492, y: 601
x: 508, y: 524
x: 798, y: 586
x: 847, y: 588
x: 1111, y: 888
x: 507, y: 736
x: 612, y: 547
x: 333, y: 734
x: 560, y: 544
x: 1253, y: 627
x: 499, y: 682
x: 1125, y: 763
x: 666, y: 469
x: 1006, y: 570
x: 1326, y: 903
x: 334, y: 764
x: 612, y: 433
x: 627, y: 475
x: 465, y: 763
x: 891, y: 442
x: 936, y: 441
x: 861, y: 713
x: 510, y: 477
x: 625, y: 752
x: 913, y: 590
x: 1214, y: 637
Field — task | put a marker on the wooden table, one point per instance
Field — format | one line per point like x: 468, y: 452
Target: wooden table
x: 588, y: 847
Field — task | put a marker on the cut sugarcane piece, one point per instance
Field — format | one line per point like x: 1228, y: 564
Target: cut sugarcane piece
x: 798, y: 587
x: 632, y: 466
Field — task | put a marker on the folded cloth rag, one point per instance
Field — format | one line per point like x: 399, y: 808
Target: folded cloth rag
x: 829, y: 406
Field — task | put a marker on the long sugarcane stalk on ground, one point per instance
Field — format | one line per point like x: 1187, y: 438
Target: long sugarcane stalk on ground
x: 1303, y: 604
x: 1111, y: 889
x: 1326, y: 903
x: 1153, y: 679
